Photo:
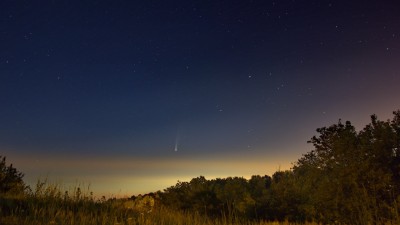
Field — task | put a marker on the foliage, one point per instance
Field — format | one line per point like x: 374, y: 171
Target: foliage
x: 12, y: 188
x: 50, y: 204
x: 10, y: 179
x: 350, y: 177
x: 219, y: 197
x: 353, y: 177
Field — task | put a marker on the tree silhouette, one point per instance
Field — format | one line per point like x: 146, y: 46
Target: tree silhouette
x: 352, y: 177
x: 10, y: 179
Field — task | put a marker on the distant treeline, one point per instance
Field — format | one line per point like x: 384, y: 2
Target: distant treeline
x: 349, y: 177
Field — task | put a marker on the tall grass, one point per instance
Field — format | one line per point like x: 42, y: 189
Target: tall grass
x: 51, y: 204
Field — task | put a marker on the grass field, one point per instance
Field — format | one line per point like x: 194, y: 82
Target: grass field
x: 49, y: 204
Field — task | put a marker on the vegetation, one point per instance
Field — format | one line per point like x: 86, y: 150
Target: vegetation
x: 11, y: 182
x: 349, y: 177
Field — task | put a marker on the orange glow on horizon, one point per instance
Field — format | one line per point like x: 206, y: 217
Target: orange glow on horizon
x: 128, y: 176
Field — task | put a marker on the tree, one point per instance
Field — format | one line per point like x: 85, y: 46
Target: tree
x: 352, y: 177
x: 287, y: 199
x: 259, y: 190
x: 11, y: 182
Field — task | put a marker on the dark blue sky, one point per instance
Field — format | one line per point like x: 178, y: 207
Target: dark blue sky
x: 223, y: 80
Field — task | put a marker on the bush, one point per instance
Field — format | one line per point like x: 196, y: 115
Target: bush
x: 11, y: 182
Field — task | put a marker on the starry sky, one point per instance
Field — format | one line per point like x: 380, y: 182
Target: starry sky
x: 132, y: 96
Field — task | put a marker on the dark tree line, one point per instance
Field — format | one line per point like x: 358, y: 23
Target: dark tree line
x: 349, y: 177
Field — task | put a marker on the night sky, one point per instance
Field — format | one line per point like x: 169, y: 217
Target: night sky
x: 132, y: 96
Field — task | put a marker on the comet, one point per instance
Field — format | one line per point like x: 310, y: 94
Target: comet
x: 176, y: 142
